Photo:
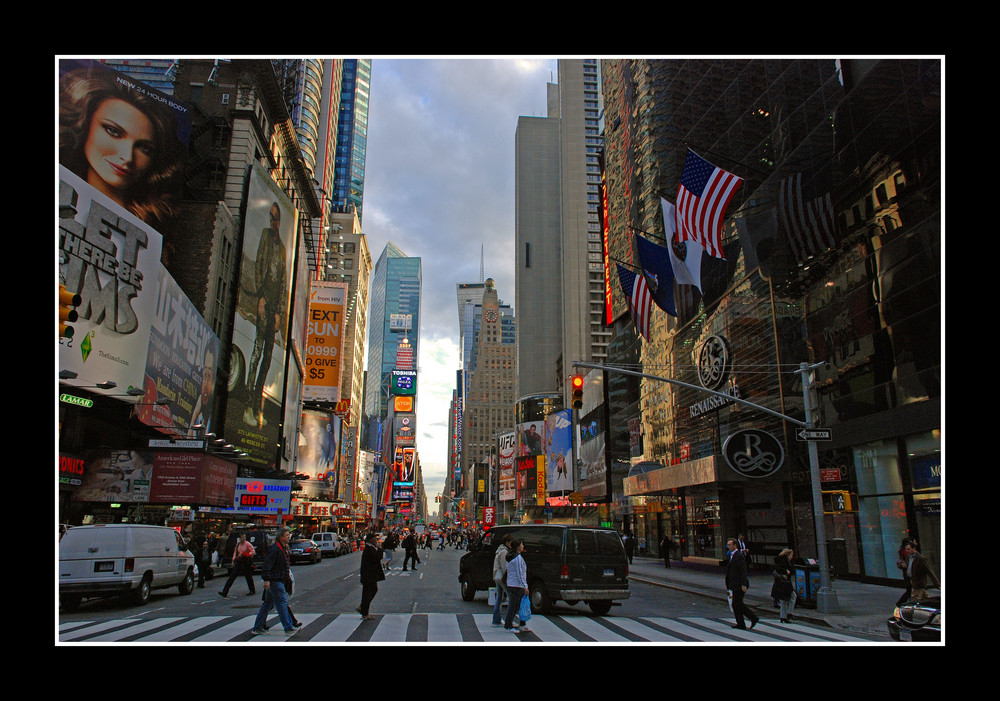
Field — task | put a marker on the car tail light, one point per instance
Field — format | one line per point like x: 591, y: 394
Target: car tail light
x: 564, y: 572
x: 130, y: 564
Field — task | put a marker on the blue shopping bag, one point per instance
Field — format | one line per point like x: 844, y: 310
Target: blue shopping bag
x: 524, y: 613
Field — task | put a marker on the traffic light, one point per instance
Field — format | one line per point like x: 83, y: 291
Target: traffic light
x: 839, y: 501
x: 68, y: 301
x: 577, y: 382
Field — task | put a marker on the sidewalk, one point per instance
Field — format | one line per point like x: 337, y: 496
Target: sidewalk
x: 861, y: 607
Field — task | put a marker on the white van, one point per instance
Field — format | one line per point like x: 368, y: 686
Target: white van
x: 121, y: 558
x: 329, y: 543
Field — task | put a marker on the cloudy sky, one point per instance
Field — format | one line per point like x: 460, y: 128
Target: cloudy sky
x: 439, y: 184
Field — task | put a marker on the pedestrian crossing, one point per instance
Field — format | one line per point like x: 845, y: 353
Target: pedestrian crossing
x: 443, y: 628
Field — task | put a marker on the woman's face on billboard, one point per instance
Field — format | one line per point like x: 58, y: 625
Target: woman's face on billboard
x: 119, y: 147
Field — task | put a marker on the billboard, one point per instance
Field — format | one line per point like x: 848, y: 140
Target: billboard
x: 181, y: 364
x: 325, y: 333
x: 530, y: 437
x: 317, y: 455
x: 507, y: 452
x: 130, y: 476
x: 259, y: 345
x: 260, y: 497
x: 559, y: 452
x: 403, y: 383
x: 593, y: 468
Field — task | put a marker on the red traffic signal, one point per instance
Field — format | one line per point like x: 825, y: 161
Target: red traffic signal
x: 577, y: 383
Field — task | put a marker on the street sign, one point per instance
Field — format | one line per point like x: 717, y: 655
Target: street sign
x: 814, y: 434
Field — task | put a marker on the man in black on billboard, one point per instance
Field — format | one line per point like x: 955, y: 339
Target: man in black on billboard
x: 269, y: 281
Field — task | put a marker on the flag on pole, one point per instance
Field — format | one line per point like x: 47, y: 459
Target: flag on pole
x: 640, y: 301
x: 702, y: 198
x: 810, y: 227
x: 685, y: 256
x: 654, y: 260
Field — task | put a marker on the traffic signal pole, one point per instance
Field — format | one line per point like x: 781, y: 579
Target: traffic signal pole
x: 826, y: 597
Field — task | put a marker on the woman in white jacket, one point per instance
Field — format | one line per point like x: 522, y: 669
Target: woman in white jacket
x: 517, y: 585
x: 499, y: 569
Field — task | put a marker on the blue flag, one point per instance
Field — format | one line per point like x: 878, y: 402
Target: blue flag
x: 655, y: 263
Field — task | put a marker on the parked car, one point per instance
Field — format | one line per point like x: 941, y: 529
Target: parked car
x: 917, y: 620
x: 565, y: 563
x: 260, y: 539
x: 121, y: 559
x: 304, y: 550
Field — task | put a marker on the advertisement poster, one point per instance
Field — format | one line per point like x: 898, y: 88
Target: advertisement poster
x: 559, y: 453
x: 259, y: 347
x: 319, y: 437
x: 593, y: 470
x: 325, y: 332
x: 507, y: 452
x: 128, y: 476
x: 257, y: 497
x: 181, y: 364
x: 530, y: 438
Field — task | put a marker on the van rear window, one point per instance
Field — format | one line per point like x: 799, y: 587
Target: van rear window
x: 582, y: 543
x: 609, y: 543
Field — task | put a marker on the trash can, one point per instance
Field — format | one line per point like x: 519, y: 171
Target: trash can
x: 807, y: 582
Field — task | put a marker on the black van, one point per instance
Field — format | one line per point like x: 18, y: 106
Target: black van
x: 565, y: 563
x: 261, y: 540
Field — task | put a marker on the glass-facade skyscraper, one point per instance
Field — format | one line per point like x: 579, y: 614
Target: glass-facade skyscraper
x: 395, y: 290
x: 352, y: 136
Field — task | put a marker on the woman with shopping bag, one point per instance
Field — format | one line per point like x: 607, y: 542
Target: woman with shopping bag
x: 517, y: 586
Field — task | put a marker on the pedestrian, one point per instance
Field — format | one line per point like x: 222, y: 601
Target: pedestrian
x: 500, y: 578
x: 629, y: 545
x: 428, y: 541
x: 918, y: 569
x: 783, y: 589
x: 242, y: 565
x: 388, y: 548
x: 275, y: 573
x: 666, y: 545
x: 517, y: 585
x: 202, y: 558
x: 441, y: 539
x: 901, y: 563
x: 737, y: 584
x: 371, y: 575
x: 410, y: 551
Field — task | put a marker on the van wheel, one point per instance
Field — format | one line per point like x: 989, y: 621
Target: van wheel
x: 70, y: 602
x: 600, y: 607
x: 539, y: 597
x: 141, y: 595
x: 468, y: 590
x: 187, y: 584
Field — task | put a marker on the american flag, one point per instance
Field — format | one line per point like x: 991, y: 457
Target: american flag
x: 640, y: 301
x: 810, y: 227
x: 702, y: 198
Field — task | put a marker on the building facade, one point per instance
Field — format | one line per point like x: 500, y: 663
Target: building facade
x: 859, y: 140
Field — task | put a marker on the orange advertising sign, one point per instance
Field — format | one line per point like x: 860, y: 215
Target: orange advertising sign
x: 324, y: 341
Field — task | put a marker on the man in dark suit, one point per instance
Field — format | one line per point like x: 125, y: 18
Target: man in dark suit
x: 371, y: 575
x: 737, y: 583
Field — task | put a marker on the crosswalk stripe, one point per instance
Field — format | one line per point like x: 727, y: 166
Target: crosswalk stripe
x: 339, y: 630
x: 443, y: 628
x: 698, y: 634
x: 228, y: 631
x: 140, y: 627
x: 644, y: 631
x: 391, y: 628
x: 590, y: 627
x: 182, y: 629
x: 91, y: 629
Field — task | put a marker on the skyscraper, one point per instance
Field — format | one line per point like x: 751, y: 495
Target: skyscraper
x: 559, y: 262
x: 394, y: 315
x: 352, y: 136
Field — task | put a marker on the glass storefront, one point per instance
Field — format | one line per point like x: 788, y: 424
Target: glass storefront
x: 704, y: 526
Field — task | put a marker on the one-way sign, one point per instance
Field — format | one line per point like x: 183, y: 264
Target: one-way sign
x: 814, y: 434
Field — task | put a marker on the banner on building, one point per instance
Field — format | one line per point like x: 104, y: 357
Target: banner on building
x: 559, y: 452
x: 325, y: 332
